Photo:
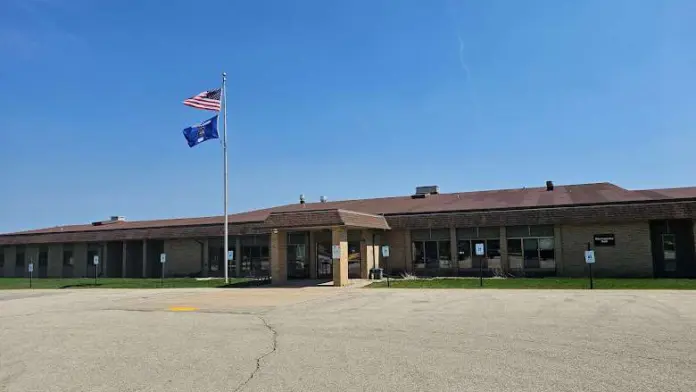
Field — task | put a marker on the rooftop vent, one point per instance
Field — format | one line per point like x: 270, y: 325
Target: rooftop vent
x: 322, y: 199
x: 549, y: 185
x: 112, y: 219
x: 427, y: 190
x: 302, y: 199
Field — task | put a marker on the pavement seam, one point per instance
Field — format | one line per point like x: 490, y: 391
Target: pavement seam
x: 259, y: 359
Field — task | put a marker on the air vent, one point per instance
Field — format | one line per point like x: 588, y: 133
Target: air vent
x: 322, y: 199
x: 302, y: 199
x: 427, y: 190
x: 549, y: 185
x: 112, y: 219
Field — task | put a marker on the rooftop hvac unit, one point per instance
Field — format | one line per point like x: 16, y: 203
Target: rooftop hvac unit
x: 428, y: 190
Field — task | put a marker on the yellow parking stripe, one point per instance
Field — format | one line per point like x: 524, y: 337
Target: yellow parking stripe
x: 182, y: 308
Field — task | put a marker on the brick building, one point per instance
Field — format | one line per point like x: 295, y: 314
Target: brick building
x: 525, y: 232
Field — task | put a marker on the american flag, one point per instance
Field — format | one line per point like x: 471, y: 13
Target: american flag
x: 207, y: 100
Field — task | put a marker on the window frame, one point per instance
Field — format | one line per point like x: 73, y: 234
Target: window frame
x: 254, y: 257
x: 23, y: 262
x: 42, y: 258
x: 441, y: 244
x: 474, y: 235
x: 71, y: 261
x: 524, y: 266
x: 669, y: 264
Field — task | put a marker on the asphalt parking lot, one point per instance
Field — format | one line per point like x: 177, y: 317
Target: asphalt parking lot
x: 350, y: 339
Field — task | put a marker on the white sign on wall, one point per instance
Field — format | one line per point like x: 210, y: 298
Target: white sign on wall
x: 95, y: 260
x: 31, y: 267
x: 385, y: 251
x: 589, y: 257
x: 336, y: 252
x: 480, y: 249
x: 230, y: 255
x: 163, y: 258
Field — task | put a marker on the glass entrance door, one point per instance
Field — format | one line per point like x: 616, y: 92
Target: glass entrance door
x: 354, y: 260
x: 324, y: 261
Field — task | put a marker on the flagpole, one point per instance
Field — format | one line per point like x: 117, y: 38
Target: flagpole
x: 224, y: 151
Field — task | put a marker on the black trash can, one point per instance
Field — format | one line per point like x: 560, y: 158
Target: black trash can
x: 377, y: 273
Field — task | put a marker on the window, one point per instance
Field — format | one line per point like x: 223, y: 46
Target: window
x: 90, y: 257
x: 444, y: 254
x: 419, y: 254
x: 43, y: 257
x: 531, y: 247
x: 493, y: 254
x: 547, y: 258
x: 324, y: 261
x: 514, y: 248
x: 298, y: 264
x: 529, y: 231
x: 2, y: 257
x: 464, y: 253
x: 669, y: 252
x: 541, y: 231
x: 432, y: 254
x: 68, y: 258
x: 467, y: 238
x: 254, y: 258
x: 19, y: 258
x: 531, y: 253
x: 354, y: 260
x: 431, y: 249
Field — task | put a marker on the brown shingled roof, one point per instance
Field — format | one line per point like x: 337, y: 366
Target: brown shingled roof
x: 568, y: 195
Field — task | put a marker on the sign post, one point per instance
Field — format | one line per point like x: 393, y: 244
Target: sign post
x: 31, y: 272
x: 385, y: 255
x: 480, y: 251
x: 163, y: 261
x: 590, y: 259
x: 95, y: 261
x: 230, y: 259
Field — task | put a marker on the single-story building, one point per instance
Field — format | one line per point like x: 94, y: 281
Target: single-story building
x: 539, y: 231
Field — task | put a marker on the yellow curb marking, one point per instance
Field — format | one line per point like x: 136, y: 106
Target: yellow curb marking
x: 182, y: 308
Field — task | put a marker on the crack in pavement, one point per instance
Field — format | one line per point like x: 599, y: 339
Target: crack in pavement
x: 259, y: 359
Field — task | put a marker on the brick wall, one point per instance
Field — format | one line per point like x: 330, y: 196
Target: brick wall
x: 183, y: 257
x: 630, y: 257
x: 399, y: 251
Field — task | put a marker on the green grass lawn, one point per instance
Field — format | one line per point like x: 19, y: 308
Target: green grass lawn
x: 541, y: 283
x: 117, y: 283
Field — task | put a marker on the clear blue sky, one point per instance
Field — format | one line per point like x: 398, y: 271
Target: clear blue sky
x: 347, y: 99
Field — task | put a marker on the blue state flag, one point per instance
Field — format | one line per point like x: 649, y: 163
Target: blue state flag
x: 199, y: 133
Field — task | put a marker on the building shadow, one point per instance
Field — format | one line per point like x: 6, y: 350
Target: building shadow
x: 290, y: 284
